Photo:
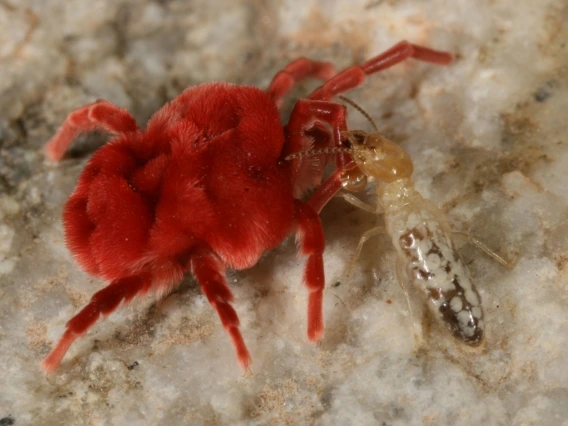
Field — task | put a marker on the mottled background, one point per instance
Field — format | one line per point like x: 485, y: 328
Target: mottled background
x: 488, y: 138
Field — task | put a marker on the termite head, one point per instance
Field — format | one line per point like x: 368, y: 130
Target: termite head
x: 374, y: 156
x: 378, y: 157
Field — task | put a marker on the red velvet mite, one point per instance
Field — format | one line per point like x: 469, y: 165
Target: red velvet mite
x: 206, y: 187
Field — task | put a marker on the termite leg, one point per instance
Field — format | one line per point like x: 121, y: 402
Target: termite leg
x: 353, y: 200
x: 364, y: 238
x: 416, y: 330
x: 481, y: 246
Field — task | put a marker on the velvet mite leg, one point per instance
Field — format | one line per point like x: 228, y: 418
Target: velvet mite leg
x: 295, y: 71
x: 210, y: 273
x: 309, y: 234
x: 326, y: 191
x: 306, y: 113
x: 100, y: 114
x: 103, y: 302
x: 303, y: 116
x: 354, y: 76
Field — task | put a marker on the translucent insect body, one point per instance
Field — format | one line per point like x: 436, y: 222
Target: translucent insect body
x: 422, y: 237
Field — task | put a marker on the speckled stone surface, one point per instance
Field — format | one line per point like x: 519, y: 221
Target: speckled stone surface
x: 488, y: 136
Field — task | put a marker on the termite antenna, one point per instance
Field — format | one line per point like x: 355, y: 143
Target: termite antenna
x: 315, y: 152
x: 361, y: 110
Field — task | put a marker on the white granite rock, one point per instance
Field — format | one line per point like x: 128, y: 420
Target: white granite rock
x: 488, y: 137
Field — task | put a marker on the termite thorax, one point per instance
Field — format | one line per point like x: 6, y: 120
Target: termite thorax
x: 396, y: 194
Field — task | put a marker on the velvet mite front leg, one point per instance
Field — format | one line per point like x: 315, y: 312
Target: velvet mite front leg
x: 344, y: 81
x: 294, y: 72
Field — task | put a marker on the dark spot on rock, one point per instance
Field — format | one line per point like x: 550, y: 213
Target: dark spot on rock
x: 326, y: 398
x: 541, y: 95
x: 133, y: 365
x: 544, y: 92
x: 7, y: 421
x: 65, y: 395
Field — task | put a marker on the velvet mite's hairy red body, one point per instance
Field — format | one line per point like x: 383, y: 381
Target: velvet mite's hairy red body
x: 205, y: 187
x: 151, y: 197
